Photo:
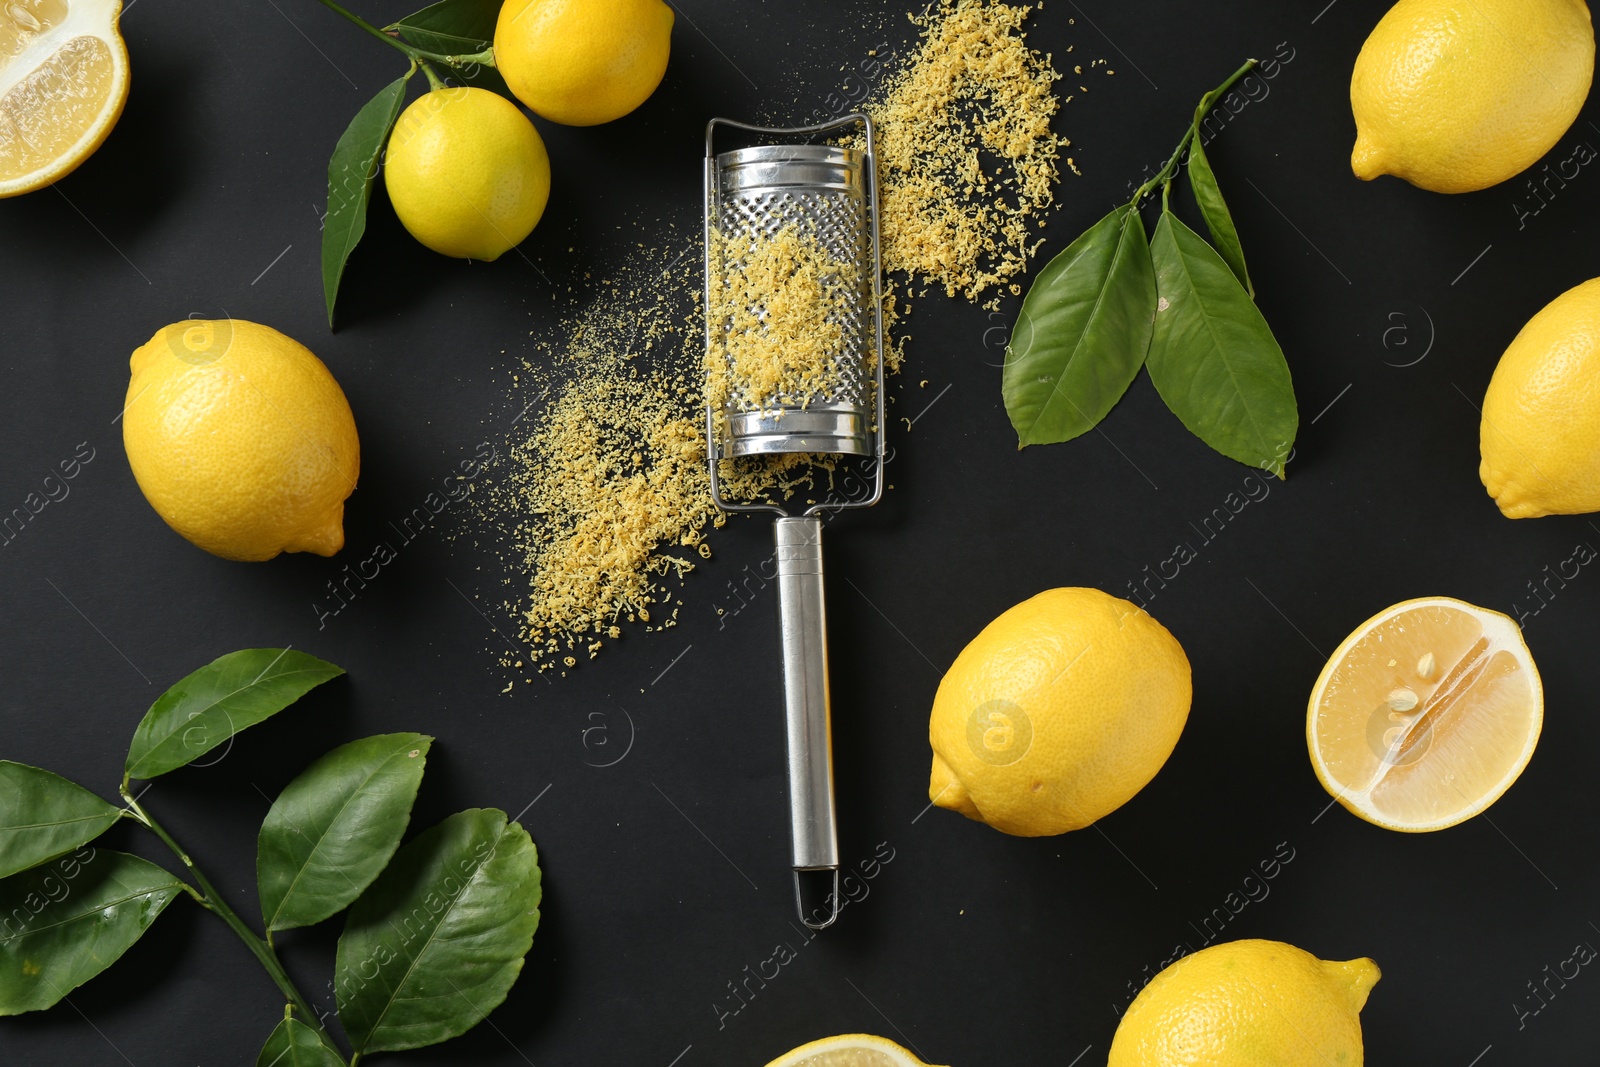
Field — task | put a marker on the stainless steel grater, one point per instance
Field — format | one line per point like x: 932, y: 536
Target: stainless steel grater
x: 829, y: 193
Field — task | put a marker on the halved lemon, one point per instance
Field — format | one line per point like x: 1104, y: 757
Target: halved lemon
x: 1426, y: 714
x: 63, y: 81
x: 848, y: 1050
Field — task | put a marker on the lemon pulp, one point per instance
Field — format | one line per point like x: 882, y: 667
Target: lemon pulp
x: 63, y: 81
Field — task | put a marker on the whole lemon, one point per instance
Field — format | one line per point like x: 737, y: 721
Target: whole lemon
x: 1247, y: 1004
x: 1057, y: 713
x: 467, y: 173
x: 1540, y: 436
x: 1459, y: 95
x: 240, y: 439
x: 583, y: 62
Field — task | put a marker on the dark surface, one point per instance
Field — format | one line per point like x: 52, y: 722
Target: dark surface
x: 974, y: 947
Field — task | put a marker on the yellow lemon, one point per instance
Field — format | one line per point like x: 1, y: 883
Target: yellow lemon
x: 1057, y: 713
x: 240, y: 439
x: 63, y: 81
x: 1540, y: 436
x: 1248, y: 1004
x: 583, y: 62
x: 467, y: 173
x: 1458, y: 95
x: 1425, y: 714
x: 848, y: 1050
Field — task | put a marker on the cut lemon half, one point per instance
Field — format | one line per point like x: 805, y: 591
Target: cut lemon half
x: 1426, y: 714
x: 63, y: 81
x: 848, y: 1050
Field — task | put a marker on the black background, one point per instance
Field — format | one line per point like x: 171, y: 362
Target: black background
x: 665, y: 873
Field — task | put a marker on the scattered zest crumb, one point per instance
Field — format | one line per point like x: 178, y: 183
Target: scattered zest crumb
x: 973, y: 90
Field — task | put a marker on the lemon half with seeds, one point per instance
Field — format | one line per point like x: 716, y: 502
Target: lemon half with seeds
x: 849, y: 1050
x: 63, y: 81
x: 1426, y: 714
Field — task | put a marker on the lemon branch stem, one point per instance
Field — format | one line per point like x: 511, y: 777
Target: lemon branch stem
x: 486, y: 57
x: 213, y: 901
x: 1165, y: 174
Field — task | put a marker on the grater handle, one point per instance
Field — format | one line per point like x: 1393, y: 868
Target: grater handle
x: 804, y: 627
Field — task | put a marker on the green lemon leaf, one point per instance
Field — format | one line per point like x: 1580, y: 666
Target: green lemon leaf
x: 350, y: 173
x: 334, y: 828
x: 294, y: 1044
x: 217, y: 701
x: 42, y: 816
x: 1219, y: 220
x: 1082, y: 332
x: 438, y: 940
x: 452, y: 27
x: 458, y: 28
x: 63, y: 923
x: 1214, y: 359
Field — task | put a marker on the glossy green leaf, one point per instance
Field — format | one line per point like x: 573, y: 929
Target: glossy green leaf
x: 1219, y: 220
x: 42, y: 816
x: 350, y: 174
x: 65, y: 922
x: 452, y: 27
x: 1082, y: 332
x: 1214, y: 359
x: 296, y: 1044
x: 458, y: 28
x: 228, y: 695
x: 334, y: 828
x: 438, y: 940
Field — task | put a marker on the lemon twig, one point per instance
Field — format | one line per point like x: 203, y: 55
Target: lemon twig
x: 1207, y: 102
x: 208, y: 897
x: 486, y: 57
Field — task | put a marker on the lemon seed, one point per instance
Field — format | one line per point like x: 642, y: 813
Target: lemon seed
x: 1403, y: 699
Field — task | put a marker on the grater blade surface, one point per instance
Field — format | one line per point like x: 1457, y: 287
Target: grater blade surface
x: 813, y: 197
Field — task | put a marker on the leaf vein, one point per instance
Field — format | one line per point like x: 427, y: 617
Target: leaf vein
x: 168, y: 738
x: 422, y: 950
x: 1221, y: 349
x: 175, y: 887
x: 322, y: 837
x: 1117, y: 258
